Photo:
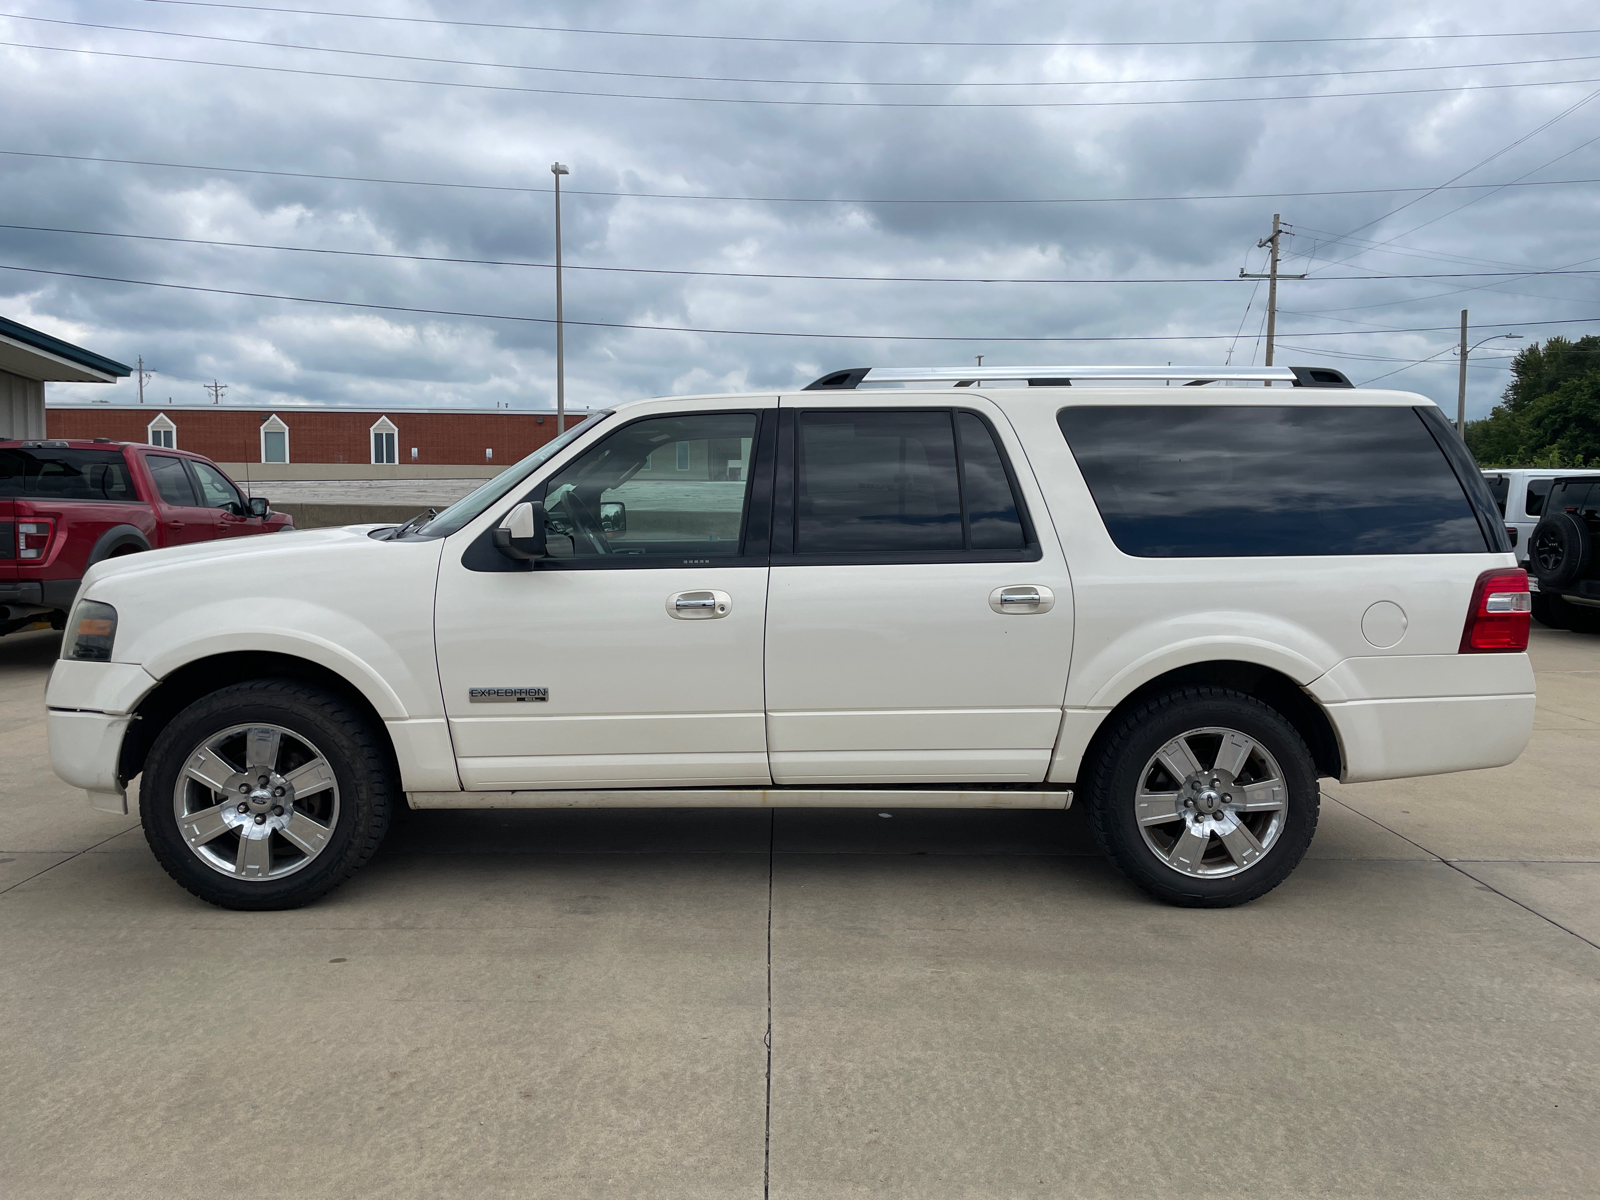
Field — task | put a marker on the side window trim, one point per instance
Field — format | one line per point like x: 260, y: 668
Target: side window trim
x: 786, y: 507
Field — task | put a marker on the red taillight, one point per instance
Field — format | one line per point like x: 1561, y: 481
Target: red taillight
x: 33, y: 538
x: 1500, y: 613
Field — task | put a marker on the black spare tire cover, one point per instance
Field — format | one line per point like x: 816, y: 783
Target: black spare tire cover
x: 1560, y: 549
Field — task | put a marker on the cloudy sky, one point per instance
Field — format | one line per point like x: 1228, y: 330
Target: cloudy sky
x: 996, y: 171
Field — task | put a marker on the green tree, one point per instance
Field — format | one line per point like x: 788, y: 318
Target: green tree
x: 1549, y: 414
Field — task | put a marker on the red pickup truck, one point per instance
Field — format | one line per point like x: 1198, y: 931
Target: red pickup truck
x: 65, y: 505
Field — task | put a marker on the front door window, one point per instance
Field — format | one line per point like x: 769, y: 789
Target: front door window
x: 663, y: 489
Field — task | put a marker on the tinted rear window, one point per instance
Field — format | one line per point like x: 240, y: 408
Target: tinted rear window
x: 1538, y: 489
x: 1224, y: 481
x: 63, y: 474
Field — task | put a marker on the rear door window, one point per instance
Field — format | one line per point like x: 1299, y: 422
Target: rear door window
x: 172, y: 481
x: 888, y: 483
x: 45, y: 473
x: 1225, y: 481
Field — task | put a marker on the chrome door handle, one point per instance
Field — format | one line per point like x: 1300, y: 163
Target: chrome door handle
x: 1021, y: 599
x: 706, y: 605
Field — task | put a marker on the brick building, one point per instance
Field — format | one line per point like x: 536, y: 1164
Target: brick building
x: 419, y: 437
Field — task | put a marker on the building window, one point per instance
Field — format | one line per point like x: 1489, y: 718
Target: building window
x: 162, y: 432
x: 683, y: 456
x: 487, y: 454
x: 384, y: 437
x: 274, y: 440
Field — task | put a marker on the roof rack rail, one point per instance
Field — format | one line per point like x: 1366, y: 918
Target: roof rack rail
x: 1063, y: 376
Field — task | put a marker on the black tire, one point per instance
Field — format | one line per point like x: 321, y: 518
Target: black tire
x: 363, y: 797
x: 1121, y: 759
x: 1560, y: 550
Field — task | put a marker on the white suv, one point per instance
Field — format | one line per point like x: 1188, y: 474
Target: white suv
x: 1183, y: 604
x: 1519, y: 493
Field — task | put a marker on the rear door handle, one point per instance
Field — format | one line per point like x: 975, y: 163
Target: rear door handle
x: 1019, y: 599
x: 705, y: 605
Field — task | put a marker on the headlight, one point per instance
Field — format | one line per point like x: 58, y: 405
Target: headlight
x: 90, y: 632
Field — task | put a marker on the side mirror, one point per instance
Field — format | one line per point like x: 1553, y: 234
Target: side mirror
x: 613, y: 517
x: 521, y: 535
x: 258, y: 506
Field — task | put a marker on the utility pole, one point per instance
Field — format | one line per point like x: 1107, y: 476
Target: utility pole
x: 558, y: 171
x: 216, y: 389
x: 143, y: 377
x: 1272, y: 276
x: 1461, y: 385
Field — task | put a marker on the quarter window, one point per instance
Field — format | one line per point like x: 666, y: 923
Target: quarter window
x: 600, y: 508
x: 1223, y: 481
x: 1499, y: 488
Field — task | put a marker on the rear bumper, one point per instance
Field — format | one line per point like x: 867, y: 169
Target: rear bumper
x: 51, y: 593
x: 1393, y: 739
x: 1402, y: 715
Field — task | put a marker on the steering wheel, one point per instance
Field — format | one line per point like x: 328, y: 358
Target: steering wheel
x: 586, y: 523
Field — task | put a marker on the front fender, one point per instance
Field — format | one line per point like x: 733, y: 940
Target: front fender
x: 377, y: 665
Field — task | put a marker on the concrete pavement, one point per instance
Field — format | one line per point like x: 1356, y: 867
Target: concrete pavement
x: 575, y: 1004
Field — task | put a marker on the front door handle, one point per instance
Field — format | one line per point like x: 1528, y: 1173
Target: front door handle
x: 705, y: 605
x: 1021, y: 598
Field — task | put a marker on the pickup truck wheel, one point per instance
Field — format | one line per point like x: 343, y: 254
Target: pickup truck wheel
x: 266, y: 795
x: 1204, y: 797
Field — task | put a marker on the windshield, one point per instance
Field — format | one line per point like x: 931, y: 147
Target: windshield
x: 475, y: 502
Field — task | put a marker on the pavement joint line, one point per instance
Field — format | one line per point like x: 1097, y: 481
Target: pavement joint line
x: 1452, y: 864
x: 64, y: 861
x: 766, y: 1149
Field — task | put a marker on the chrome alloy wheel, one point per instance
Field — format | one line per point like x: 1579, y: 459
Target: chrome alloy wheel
x: 265, y: 819
x: 1212, y: 820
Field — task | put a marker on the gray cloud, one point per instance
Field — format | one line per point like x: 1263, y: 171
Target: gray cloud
x: 275, y: 352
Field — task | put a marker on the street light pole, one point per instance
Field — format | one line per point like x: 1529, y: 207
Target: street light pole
x: 558, y: 171
x: 1461, y: 387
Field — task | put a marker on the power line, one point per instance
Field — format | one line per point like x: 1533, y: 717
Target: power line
x: 492, y: 187
x: 855, y: 337
x: 718, y: 37
x: 994, y: 104
x: 501, y: 262
x: 960, y: 83
x: 1570, y: 109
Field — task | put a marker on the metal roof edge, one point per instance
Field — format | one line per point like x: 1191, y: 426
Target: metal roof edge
x: 36, y: 340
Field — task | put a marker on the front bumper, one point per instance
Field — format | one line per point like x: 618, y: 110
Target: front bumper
x: 85, y: 749
x: 89, y: 707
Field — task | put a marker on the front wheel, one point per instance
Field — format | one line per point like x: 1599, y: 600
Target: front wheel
x: 266, y: 794
x: 1204, y: 797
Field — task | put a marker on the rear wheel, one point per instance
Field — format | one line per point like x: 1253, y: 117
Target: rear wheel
x: 1204, y: 797
x: 266, y: 794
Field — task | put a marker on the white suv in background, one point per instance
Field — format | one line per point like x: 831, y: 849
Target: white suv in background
x: 1179, y: 604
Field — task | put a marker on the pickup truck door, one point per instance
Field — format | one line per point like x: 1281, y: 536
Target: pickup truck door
x: 180, y: 516
x: 919, y: 615
x: 631, y: 656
